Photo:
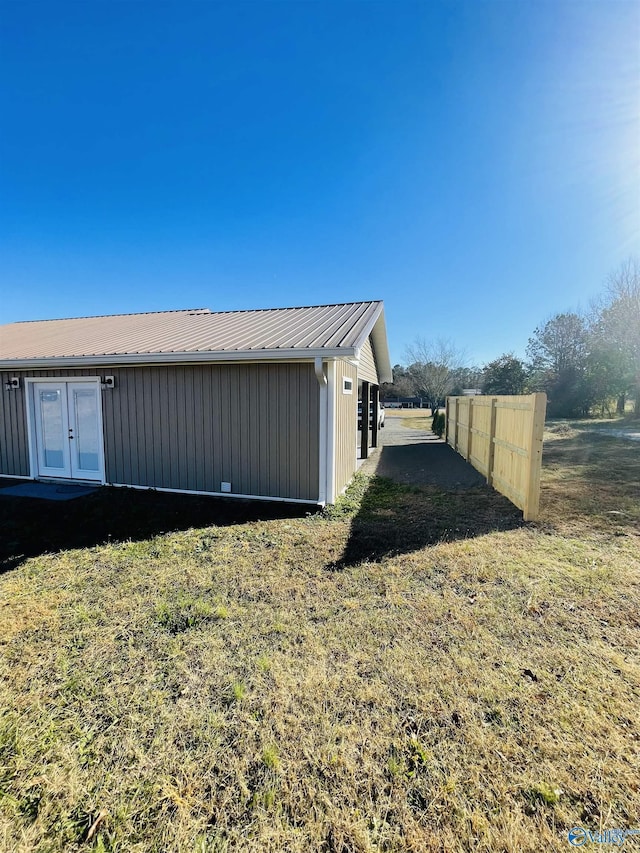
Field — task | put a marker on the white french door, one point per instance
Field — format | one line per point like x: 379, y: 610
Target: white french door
x: 67, y: 430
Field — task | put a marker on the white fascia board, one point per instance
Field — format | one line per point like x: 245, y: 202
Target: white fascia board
x: 381, y: 350
x: 378, y: 331
x: 140, y: 359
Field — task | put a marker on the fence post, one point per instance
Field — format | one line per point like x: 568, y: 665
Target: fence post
x: 492, y: 447
x: 532, y: 494
x: 469, y: 427
x: 456, y: 426
x: 447, y: 409
x: 374, y: 406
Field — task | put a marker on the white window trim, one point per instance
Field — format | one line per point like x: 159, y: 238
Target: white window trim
x: 347, y: 385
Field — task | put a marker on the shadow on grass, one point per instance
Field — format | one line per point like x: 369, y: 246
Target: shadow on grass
x: 397, y: 519
x: 30, y: 527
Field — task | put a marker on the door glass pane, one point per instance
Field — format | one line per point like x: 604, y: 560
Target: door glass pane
x: 85, y: 443
x: 52, y: 428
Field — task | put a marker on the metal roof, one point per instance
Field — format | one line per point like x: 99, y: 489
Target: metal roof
x: 197, y: 334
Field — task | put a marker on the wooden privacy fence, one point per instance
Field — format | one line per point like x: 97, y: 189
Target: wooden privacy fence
x: 502, y: 438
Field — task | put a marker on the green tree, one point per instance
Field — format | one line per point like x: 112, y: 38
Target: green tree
x: 466, y: 377
x: 402, y: 385
x: 605, y: 375
x: 616, y: 331
x: 504, y: 375
x: 558, y: 351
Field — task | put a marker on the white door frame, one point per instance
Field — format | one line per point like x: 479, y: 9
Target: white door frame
x: 31, y: 422
x: 63, y: 470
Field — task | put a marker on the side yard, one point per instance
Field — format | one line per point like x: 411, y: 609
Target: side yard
x: 414, y: 670
x: 627, y: 428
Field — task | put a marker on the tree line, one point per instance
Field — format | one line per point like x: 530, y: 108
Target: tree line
x: 586, y: 362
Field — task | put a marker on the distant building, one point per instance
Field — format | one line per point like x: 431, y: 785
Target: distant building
x: 405, y: 403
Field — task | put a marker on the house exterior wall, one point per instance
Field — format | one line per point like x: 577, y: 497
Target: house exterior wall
x: 14, y: 448
x: 367, y: 369
x: 194, y: 427
x: 346, y: 413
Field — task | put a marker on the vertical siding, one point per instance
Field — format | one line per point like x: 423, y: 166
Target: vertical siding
x: 367, y: 368
x: 346, y: 407
x: 14, y: 444
x: 255, y: 426
x: 14, y: 455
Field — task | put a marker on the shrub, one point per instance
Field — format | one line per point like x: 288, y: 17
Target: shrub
x: 438, y: 423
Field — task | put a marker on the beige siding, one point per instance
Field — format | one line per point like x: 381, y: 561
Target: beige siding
x: 193, y: 427
x: 367, y: 369
x: 14, y: 454
x: 346, y: 408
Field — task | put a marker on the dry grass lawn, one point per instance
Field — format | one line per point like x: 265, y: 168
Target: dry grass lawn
x: 407, y: 413
x: 246, y: 688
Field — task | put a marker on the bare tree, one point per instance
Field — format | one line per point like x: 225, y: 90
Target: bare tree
x: 432, y: 367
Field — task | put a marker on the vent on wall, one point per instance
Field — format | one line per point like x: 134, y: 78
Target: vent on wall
x: 225, y: 487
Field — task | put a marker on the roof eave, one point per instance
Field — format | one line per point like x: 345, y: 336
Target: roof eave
x: 377, y: 329
x: 200, y: 357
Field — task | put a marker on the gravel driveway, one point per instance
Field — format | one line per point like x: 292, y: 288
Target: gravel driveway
x: 418, y: 457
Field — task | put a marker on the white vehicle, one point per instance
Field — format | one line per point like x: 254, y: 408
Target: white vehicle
x: 380, y: 415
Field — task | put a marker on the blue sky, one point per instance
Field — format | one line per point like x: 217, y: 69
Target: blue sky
x: 475, y: 165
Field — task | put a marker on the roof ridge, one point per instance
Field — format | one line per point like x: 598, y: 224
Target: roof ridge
x: 123, y: 314
x: 204, y: 310
x: 295, y: 307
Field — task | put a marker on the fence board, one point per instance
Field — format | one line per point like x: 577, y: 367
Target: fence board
x: 502, y: 438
